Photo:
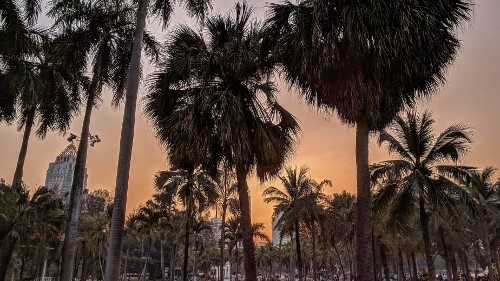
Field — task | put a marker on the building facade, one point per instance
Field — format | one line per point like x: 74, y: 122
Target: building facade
x: 59, y: 175
x: 276, y: 233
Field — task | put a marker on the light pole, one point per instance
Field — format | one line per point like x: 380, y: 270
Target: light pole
x: 93, y: 139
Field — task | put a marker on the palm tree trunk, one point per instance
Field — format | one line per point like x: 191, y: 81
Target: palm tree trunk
x: 246, y: 226
x: 466, y: 265
x: 364, y: 253
x: 401, y: 271
x: 18, y: 174
x: 292, y: 271
x: 426, y: 236
x: 383, y: 257
x: 83, y: 277
x: 68, y: 251
x: 221, y: 242
x: 446, y: 255
x: 186, y: 247
x: 172, y: 262
x: 489, y: 261
x: 414, y: 264
x: 298, y: 251
x: 126, y: 143
x: 6, y: 256
x: 454, y: 265
x: 338, y: 255
x: 162, y: 261
x: 314, y: 252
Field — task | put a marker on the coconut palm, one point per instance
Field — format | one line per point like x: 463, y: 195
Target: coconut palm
x: 24, y: 217
x: 349, y: 57
x: 486, y: 224
x: 149, y: 220
x: 292, y: 203
x: 421, y: 172
x: 194, y: 190
x: 206, y: 106
x: 163, y: 9
x: 100, y: 34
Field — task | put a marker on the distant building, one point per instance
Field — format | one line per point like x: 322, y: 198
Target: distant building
x: 276, y: 233
x: 216, y: 224
x: 60, y: 173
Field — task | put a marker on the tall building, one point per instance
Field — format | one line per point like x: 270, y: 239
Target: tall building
x: 215, y: 224
x: 276, y: 233
x: 60, y: 173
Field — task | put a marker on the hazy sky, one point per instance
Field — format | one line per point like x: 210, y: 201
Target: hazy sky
x: 470, y: 96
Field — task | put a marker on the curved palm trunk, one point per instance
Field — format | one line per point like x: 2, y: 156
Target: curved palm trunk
x: 364, y: 253
x: 186, y: 249
x: 338, y: 255
x: 68, y: 251
x: 125, y: 154
x: 298, y: 250
x: 6, y: 256
x: 18, y: 174
x: 246, y: 226
x: 314, y: 252
x: 429, y: 257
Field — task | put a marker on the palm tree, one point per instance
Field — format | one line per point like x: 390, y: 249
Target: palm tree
x: 198, y: 225
x: 293, y: 202
x: 163, y: 9
x: 486, y: 224
x: 208, y: 96
x: 419, y: 173
x: 104, y: 34
x: 24, y: 217
x: 195, y: 191
x: 349, y: 57
x: 149, y: 220
x: 226, y: 189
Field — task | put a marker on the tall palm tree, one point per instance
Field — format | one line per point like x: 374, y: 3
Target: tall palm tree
x: 206, y: 106
x: 421, y: 172
x: 163, y: 9
x: 349, y: 57
x: 101, y: 34
x: 292, y: 203
x: 194, y: 190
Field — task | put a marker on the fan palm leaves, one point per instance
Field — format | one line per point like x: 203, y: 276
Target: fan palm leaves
x: 194, y: 190
x: 212, y: 103
x: 419, y: 177
x: 351, y: 58
x: 292, y: 202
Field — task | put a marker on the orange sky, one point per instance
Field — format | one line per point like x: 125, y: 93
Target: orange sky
x: 471, y: 96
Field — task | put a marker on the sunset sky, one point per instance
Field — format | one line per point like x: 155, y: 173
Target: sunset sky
x: 471, y: 96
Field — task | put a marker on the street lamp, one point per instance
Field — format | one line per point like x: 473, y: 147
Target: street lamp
x: 92, y: 139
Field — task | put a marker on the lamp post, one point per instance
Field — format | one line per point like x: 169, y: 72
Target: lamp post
x: 93, y: 139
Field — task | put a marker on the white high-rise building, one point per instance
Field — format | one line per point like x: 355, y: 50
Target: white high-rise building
x: 276, y: 233
x: 60, y: 173
x: 215, y: 224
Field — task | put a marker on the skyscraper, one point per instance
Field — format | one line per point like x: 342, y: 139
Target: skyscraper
x: 60, y: 173
x: 276, y: 233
